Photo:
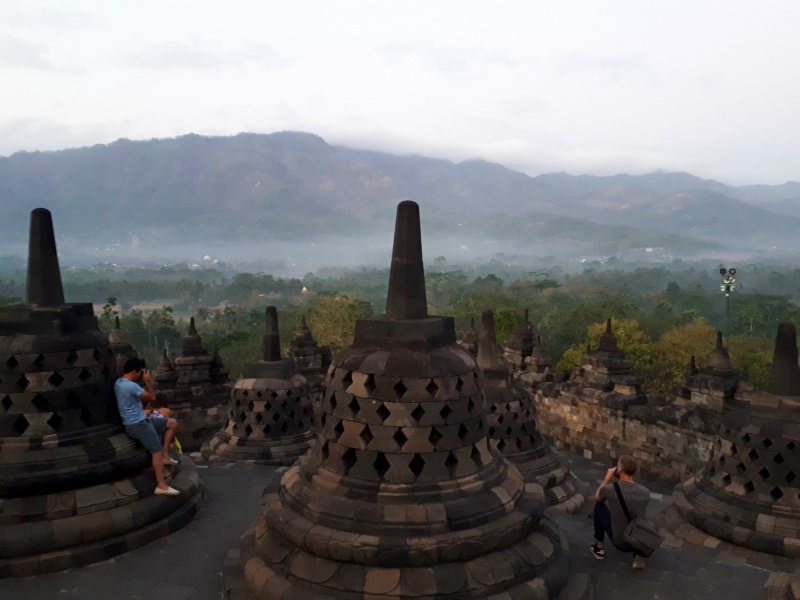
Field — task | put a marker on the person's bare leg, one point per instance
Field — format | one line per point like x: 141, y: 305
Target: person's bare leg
x: 158, y: 470
x: 169, y: 433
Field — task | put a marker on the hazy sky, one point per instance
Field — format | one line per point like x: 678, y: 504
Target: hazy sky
x: 598, y: 87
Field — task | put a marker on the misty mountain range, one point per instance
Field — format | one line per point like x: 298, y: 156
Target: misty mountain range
x: 251, y: 189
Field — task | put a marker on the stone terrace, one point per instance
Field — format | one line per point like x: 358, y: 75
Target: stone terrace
x: 187, y: 565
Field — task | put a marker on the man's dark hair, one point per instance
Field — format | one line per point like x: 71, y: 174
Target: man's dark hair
x: 628, y: 464
x: 133, y: 364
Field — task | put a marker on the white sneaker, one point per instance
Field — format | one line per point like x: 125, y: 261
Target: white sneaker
x: 170, y: 491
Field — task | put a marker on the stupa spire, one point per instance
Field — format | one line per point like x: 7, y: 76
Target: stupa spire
x: 785, y: 377
x: 272, y: 342
x: 488, y: 356
x: 44, y: 286
x: 406, y: 298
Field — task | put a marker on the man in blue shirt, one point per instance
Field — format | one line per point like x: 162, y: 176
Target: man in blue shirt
x: 130, y: 396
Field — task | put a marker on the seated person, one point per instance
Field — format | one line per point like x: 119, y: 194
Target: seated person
x: 609, y: 517
x: 130, y: 396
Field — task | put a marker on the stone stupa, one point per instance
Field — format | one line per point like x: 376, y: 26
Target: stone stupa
x: 749, y: 492
x: 270, y: 413
x: 402, y: 496
x: 74, y: 488
x: 511, y: 419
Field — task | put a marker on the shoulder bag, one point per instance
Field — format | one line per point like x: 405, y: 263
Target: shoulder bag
x: 639, y: 534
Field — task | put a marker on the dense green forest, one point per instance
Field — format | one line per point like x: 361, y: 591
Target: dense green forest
x: 662, y: 314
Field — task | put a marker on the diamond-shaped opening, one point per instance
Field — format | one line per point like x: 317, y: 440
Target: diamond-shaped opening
x: 711, y: 471
x: 719, y: 444
x: 267, y: 429
x: 400, y: 389
x: 55, y: 421
x: 519, y: 442
x: 325, y: 452
x: 790, y: 477
x: 284, y: 427
x: 462, y: 432
x: 432, y: 388
x: 251, y: 405
x: 354, y: 407
x: 383, y: 412
x: 288, y: 393
x: 726, y: 479
x: 349, y: 460
x: 509, y: 429
x: 258, y: 394
x: 746, y: 438
x: 501, y: 418
x: 748, y: 487
x: 20, y: 425
x: 493, y: 409
x: 740, y: 468
x: 366, y: 435
x: 291, y: 414
x: 39, y: 360
x: 86, y: 417
x: 105, y: 371
x: 790, y: 446
x: 764, y: 473
x: 274, y: 395
x: 333, y: 402
x: 417, y: 464
x: 445, y: 412
x: 476, y: 456
x: 347, y: 380
x: 418, y: 413
x: 501, y: 444
x: 382, y: 465
x: 242, y: 417
x: 451, y: 462
x: 284, y: 404
x: 259, y: 417
x: 722, y: 460
x: 459, y: 385
x: 470, y: 405
x: 245, y: 394
x: 323, y: 419
x: 84, y: 374
x: 275, y: 417
x: 12, y: 362
x: 734, y: 449
x: 778, y: 458
x: 248, y: 429
x: 96, y: 355
x: 369, y: 384
x: 767, y: 444
x: 491, y: 432
x: 73, y: 398
x: 753, y: 454
x: 6, y: 402
x: 776, y: 493
x: 23, y: 382
x: 399, y: 437
x: 72, y: 358
x: 40, y: 402
x: 338, y: 431
x: 435, y: 436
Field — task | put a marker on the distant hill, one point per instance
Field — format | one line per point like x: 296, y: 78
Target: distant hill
x: 294, y: 186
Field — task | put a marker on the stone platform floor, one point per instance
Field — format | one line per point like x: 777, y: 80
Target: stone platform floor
x: 187, y: 565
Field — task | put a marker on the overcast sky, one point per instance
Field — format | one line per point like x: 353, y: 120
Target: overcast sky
x: 597, y: 87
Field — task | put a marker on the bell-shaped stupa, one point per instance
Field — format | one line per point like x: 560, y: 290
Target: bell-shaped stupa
x: 520, y: 345
x: 511, y: 419
x: 402, y: 496
x: 748, y: 492
x: 74, y: 488
x: 270, y: 413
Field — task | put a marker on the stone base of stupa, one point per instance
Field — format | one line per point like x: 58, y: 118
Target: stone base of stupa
x: 282, y: 451
x: 73, y: 528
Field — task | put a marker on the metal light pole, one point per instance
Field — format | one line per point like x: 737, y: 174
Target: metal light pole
x: 727, y: 286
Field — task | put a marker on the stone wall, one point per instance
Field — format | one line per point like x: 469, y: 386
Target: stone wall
x: 671, y: 441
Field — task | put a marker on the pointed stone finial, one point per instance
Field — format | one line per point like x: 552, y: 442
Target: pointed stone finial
x: 303, y: 322
x: 472, y: 323
x: 719, y: 340
x: 488, y: 357
x: 719, y: 360
x: 406, y: 298
x: 116, y: 322
x: 192, y: 329
x: 608, y: 341
x: 785, y: 377
x: 693, y: 366
x: 525, y: 318
x: 272, y: 342
x: 44, y: 286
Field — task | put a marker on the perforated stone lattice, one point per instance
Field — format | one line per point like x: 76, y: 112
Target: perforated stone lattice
x: 54, y: 393
x: 756, y: 466
x: 430, y: 430
x: 270, y: 413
